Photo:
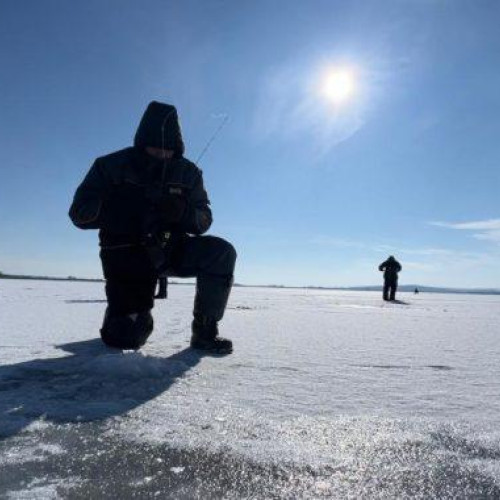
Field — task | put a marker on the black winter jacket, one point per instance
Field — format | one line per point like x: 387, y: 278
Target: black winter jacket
x: 119, y: 193
x: 391, y: 268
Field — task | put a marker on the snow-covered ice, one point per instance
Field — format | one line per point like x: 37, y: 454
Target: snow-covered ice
x: 328, y: 394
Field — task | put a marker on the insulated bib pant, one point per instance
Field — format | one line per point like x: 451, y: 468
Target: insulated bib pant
x: 131, y: 280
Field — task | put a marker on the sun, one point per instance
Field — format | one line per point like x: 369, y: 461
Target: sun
x: 339, y: 85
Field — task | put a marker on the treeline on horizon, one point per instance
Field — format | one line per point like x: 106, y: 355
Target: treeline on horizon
x: 369, y: 288
x: 46, y: 278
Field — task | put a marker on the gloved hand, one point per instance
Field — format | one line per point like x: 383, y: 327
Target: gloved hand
x: 122, y: 209
x: 173, y: 208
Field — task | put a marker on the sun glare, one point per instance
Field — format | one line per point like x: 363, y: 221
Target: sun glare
x: 339, y: 85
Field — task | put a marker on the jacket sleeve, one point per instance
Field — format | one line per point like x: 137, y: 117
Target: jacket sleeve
x: 199, y: 216
x: 382, y: 266
x: 85, y: 211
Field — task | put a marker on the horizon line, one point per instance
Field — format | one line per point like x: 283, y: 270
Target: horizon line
x: 428, y: 288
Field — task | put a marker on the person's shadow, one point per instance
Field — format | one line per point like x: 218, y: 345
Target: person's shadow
x: 93, y: 383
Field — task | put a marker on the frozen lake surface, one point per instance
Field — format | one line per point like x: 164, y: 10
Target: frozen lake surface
x: 328, y: 394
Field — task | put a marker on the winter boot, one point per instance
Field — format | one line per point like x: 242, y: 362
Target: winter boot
x: 205, y: 336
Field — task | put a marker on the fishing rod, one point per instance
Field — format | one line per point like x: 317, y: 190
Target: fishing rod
x: 214, y: 136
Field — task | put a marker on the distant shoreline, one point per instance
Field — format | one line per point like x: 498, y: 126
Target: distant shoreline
x: 47, y: 278
x: 369, y: 288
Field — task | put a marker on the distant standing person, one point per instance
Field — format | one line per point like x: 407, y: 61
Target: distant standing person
x: 391, y: 267
x: 151, y: 208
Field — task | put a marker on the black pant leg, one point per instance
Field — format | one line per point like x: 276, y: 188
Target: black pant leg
x: 130, y: 279
x: 211, y: 260
x: 394, y: 287
x: 130, y: 284
x: 385, y: 292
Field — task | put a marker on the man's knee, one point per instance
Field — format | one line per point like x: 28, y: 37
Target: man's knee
x: 127, y: 331
x: 229, y: 252
x: 229, y: 258
x: 223, y: 252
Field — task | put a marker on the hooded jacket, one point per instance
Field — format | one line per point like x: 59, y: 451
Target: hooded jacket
x: 123, y: 190
x: 160, y: 128
x: 391, y: 268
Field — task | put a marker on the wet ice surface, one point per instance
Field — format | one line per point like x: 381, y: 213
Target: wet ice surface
x: 328, y: 394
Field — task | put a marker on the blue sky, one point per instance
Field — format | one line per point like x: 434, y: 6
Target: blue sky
x: 308, y: 194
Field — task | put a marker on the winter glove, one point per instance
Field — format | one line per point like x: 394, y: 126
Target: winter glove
x: 173, y: 209
x: 123, y: 209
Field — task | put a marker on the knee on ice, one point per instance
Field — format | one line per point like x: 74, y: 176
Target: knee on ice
x: 127, y: 331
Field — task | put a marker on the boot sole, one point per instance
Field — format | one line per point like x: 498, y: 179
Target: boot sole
x: 213, y: 350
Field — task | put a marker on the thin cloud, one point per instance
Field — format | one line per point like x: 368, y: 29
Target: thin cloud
x: 488, y: 229
x: 424, y: 251
x: 326, y: 240
x: 330, y: 241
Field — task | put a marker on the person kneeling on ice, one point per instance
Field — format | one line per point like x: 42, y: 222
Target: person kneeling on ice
x: 391, y: 268
x: 151, y: 208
